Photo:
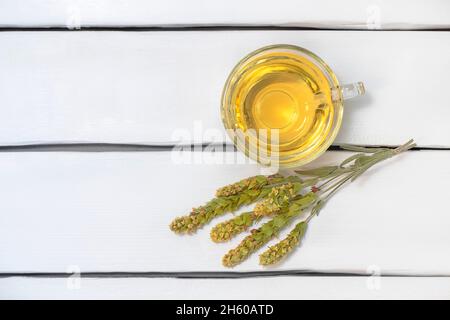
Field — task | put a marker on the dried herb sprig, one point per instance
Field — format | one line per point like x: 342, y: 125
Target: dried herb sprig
x: 251, y: 190
x: 278, y: 198
x: 267, y: 231
x: 202, y: 215
x: 226, y: 230
x: 285, y: 246
x: 334, y: 178
x: 256, y: 182
x: 282, y: 200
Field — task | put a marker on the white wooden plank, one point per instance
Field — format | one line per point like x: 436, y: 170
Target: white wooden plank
x: 259, y: 288
x: 110, y: 212
x: 320, y: 13
x: 159, y: 87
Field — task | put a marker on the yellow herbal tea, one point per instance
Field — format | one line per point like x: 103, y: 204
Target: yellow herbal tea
x: 289, y: 94
x: 284, y: 92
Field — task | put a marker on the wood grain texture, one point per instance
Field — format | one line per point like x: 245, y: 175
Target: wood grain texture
x: 253, y: 289
x: 165, y: 87
x: 110, y: 212
x: 320, y: 13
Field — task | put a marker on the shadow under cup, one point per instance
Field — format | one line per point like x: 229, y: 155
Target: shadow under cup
x: 283, y: 106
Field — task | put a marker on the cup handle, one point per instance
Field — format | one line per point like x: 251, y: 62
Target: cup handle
x: 349, y: 91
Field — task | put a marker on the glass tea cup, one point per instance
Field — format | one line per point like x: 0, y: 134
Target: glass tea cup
x: 282, y: 105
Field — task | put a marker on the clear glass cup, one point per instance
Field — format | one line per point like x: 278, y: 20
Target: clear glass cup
x: 272, y: 86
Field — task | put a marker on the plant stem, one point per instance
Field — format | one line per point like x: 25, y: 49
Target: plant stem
x: 355, y: 171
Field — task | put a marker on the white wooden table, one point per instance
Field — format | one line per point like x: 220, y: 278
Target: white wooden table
x: 88, y: 118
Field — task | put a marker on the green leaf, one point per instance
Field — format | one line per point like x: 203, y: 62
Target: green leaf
x: 295, y: 206
x: 265, y: 192
x: 300, y: 228
x: 258, y: 236
x: 261, y: 179
x: 293, y: 212
x: 303, y: 228
x: 239, y: 220
x: 279, y: 221
x: 361, y: 161
x: 267, y: 230
x: 297, y: 187
x: 306, y: 200
x: 253, y: 193
x: 351, y: 158
x: 354, y: 148
x: 247, y: 218
x: 243, y: 198
x: 318, y: 172
x: 294, y: 179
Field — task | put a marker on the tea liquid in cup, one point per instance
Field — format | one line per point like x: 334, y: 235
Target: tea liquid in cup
x: 282, y: 105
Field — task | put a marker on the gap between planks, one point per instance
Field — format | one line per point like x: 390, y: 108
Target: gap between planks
x: 125, y: 147
x: 213, y: 275
x: 209, y: 28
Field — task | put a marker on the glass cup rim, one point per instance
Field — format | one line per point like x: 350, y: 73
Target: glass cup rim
x: 328, y: 73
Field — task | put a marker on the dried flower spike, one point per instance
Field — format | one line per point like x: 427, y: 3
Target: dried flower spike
x: 277, y: 252
x: 256, y: 182
x: 278, y: 198
x: 214, y: 208
x: 267, y: 231
x: 226, y: 230
x: 230, y: 198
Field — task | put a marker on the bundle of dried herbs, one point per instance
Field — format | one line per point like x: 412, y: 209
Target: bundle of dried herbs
x: 283, y: 199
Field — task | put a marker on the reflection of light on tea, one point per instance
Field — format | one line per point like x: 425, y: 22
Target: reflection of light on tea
x: 289, y: 93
